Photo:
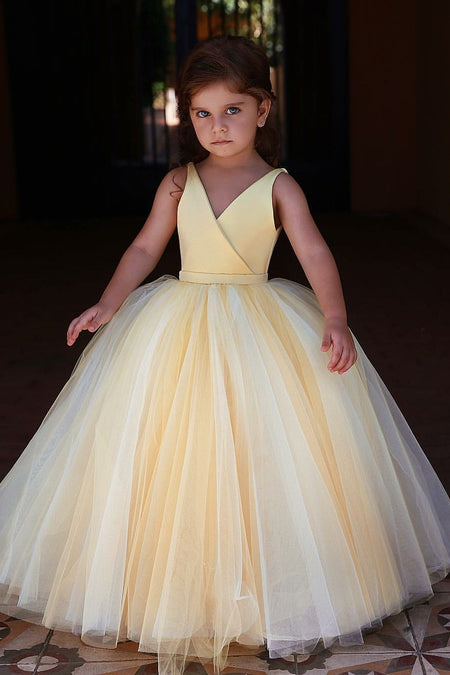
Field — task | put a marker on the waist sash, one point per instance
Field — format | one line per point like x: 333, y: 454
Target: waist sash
x: 208, y: 278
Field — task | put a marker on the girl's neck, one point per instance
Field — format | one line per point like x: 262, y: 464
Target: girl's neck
x: 235, y: 163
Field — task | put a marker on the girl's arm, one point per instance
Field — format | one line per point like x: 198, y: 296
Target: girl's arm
x: 139, y: 259
x: 320, y: 268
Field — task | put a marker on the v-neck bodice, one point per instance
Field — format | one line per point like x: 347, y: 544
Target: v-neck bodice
x: 234, y: 247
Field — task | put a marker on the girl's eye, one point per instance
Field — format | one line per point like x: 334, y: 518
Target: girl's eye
x: 202, y: 113
x: 232, y: 110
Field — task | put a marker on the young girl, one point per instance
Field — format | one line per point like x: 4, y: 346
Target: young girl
x: 220, y: 467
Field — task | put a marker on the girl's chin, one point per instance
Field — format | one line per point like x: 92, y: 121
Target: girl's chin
x: 220, y: 147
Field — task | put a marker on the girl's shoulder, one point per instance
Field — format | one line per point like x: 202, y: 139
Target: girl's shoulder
x: 286, y: 187
x: 289, y: 200
x: 174, y: 181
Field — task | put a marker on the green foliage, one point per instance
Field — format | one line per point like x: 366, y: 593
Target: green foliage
x: 257, y: 20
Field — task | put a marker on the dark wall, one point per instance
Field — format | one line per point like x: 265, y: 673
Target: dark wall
x: 60, y: 146
x: 316, y: 75
x: 62, y: 71
x: 9, y: 206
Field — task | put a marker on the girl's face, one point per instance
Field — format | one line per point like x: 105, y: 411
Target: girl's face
x: 225, y: 121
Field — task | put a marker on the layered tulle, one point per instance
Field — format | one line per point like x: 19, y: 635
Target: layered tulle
x: 203, y: 479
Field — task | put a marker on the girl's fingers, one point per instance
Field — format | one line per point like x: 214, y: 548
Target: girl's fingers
x: 85, y: 321
x: 93, y: 325
x: 72, y: 331
x: 343, y: 357
x: 346, y: 364
x: 335, y: 358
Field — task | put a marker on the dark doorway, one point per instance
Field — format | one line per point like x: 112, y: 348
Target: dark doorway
x: 92, y: 88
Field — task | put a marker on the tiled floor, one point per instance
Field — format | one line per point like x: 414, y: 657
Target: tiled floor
x: 414, y: 642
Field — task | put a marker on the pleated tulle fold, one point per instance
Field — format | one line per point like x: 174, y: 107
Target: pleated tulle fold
x: 203, y: 479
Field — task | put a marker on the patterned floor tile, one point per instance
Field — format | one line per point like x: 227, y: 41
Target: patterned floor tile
x: 431, y: 624
x: 125, y: 651
x: 151, y: 669
x: 21, y: 645
x: 324, y: 661
x: 389, y: 650
x: 53, y: 666
x: 436, y: 664
x: 18, y: 634
x: 394, y: 636
x: 403, y: 664
x: 251, y: 661
x: 443, y: 586
x: 342, y: 664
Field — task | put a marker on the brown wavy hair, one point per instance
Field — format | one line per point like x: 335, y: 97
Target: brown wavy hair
x: 245, y: 67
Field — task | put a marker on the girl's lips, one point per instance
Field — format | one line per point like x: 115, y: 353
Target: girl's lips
x: 220, y: 142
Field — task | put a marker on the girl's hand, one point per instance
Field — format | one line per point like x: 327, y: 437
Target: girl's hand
x: 90, y: 320
x: 336, y: 334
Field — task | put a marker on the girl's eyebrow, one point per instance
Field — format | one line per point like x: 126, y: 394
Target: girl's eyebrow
x: 226, y: 105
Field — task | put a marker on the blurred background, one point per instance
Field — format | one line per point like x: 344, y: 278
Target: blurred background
x: 88, y: 127
x: 88, y: 117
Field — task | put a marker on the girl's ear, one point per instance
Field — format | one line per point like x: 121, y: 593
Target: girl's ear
x: 263, y: 111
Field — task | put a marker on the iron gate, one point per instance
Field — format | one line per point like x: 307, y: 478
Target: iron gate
x: 144, y: 86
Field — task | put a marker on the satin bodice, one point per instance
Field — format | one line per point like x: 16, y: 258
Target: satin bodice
x: 236, y: 246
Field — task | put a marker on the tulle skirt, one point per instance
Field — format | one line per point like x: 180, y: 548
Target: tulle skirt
x: 203, y: 479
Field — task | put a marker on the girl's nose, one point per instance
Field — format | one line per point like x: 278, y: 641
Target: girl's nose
x: 219, y: 124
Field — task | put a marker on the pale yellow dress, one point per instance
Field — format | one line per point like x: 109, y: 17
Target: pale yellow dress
x: 202, y: 478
